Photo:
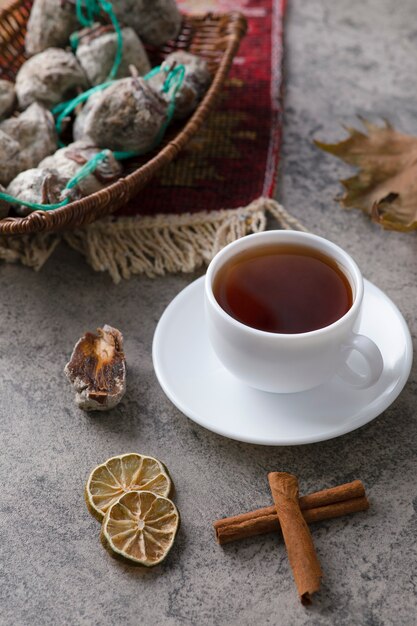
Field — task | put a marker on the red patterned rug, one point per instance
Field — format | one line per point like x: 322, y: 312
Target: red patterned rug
x: 234, y: 158
x: 220, y: 188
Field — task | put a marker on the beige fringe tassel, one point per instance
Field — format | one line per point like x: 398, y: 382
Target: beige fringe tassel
x: 152, y: 245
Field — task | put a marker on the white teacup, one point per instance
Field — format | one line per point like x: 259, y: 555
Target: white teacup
x: 286, y: 363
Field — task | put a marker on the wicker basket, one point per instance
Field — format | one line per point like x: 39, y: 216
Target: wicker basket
x: 215, y: 37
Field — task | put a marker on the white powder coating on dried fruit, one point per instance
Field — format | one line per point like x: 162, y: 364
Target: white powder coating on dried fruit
x: 127, y: 116
x: 25, y: 140
x: 58, y: 161
x: 97, y: 56
x: 197, y: 79
x: 69, y: 160
x: 79, y: 127
x: 42, y: 186
x: 97, y: 370
x: 85, y: 402
x: 7, y: 98
x: 50, y: 24
x: 49, y: 77
x: 11, y: 161
x: 155, y: 21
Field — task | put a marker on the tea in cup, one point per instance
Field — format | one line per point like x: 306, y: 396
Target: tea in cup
x: 282, y: 311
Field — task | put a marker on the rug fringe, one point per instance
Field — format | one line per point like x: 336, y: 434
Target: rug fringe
x: 170, y: 243
x: 151, y: 245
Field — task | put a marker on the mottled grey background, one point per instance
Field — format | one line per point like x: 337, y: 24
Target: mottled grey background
x: 342, y: 58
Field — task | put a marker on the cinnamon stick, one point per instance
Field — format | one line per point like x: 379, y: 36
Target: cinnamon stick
x: 300, y: 548
x: 265, y: 520
x: 317, y: 506
x: 355, y: 489
x: 338, y: 509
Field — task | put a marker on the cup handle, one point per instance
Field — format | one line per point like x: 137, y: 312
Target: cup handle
x: 373, y: 357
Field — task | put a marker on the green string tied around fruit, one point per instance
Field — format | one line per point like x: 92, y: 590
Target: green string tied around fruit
x: 94, y: 8
x: 86, y: 11
x: 173, y: 81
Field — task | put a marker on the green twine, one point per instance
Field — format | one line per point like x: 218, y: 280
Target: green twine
x: 173, y: 82
x: 74, y: 41
x: 153, y: 72
x: 108, y: 8
x: 88, y: 168
x: 93, y: 7
x: 171, y: 85
x: 85, y: 171
x: 33, y: 205
x: 64, y: 109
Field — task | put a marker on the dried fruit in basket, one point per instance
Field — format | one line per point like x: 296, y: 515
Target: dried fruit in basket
x: 140, y: 528
x: 155, y: 21
x: 68, y: 162
x: 50, y: 24
x: 127, y: 116
x: 25, y: 140
x: 48, y: 184
x: 97, y: 370
x: 4, y: 205
x: 7, y: 98
x: 49, y: 77
x: 203, y: 34
x: 44, y: 186
x: 120, y: 474
x: 96, y: 52
x: 197, y: 78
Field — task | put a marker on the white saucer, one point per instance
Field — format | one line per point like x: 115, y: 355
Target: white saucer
x: 199, y: 386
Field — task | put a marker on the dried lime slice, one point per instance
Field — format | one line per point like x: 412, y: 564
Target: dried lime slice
x: 140, y: 528
x: 121, y: 474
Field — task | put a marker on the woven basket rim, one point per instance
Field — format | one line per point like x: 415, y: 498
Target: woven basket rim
x: 98, y: 204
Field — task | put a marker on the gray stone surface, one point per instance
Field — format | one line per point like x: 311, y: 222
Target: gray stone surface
x: 342, y: 58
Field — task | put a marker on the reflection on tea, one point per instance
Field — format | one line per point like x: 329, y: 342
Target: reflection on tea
x: 283, y: 288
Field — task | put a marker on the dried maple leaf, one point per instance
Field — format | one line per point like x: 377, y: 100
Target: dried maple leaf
x: 386, y: 185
